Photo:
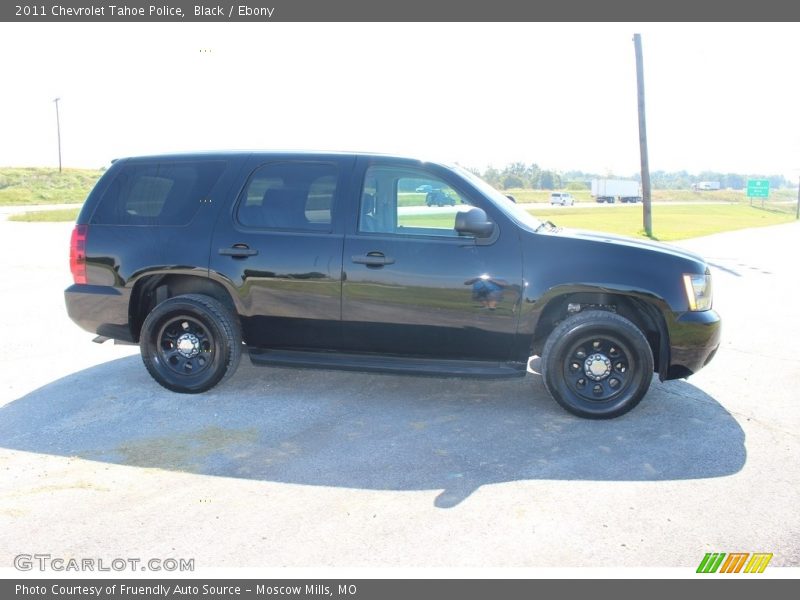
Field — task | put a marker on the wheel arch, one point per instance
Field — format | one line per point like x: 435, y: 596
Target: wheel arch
x: 641, y: 311
x: 152, y: 289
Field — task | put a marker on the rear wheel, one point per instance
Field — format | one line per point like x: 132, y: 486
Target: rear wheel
x: 190, y: 343
x: 597, y: 364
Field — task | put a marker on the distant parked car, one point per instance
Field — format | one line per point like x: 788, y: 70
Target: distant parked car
x: 439, y: 198
x: 562, y: 198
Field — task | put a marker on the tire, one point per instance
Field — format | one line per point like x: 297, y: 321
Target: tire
x: 597, y: 364
x: 211, y: 337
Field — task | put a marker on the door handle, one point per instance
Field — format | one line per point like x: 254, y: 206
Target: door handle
x: 238, y: 251
x: 373, y: 259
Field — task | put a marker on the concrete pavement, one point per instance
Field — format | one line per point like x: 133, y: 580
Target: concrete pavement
x: 295, y: 468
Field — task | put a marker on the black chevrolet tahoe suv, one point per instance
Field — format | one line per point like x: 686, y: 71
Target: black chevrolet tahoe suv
x: 333, y: 260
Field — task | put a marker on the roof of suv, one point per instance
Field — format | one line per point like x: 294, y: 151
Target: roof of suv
x: 281, y: 153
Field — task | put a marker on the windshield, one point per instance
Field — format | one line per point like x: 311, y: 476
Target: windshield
x: 509, y: 208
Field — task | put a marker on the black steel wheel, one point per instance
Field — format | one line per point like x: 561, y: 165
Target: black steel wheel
x: 190, y: 343
x: 597, y: 364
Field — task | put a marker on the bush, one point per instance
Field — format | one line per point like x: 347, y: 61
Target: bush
x: 578, y: 186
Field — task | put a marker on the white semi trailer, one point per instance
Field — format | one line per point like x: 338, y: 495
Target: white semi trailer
x: 611, y: 190
x: 706, y: 186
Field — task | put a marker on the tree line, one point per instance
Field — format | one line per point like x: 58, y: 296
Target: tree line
x: 521, y: 175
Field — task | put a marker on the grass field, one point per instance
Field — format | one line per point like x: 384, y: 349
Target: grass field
x: 47, y: 216
x: 32, y: 186
x: 23, y: 186
x: 39, y: 185
x: 669, y: 222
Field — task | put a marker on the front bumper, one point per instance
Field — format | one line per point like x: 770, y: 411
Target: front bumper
x: 100, y: 309
x: 694, y: 340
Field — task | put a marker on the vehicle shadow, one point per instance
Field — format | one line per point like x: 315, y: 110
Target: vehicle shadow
x: 371, y: 431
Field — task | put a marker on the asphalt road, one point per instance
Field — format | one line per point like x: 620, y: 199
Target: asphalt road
x: 294, y: 468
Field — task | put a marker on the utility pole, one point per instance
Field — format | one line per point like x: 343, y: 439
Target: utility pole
x: 647, y: 216
x: 58, y: 129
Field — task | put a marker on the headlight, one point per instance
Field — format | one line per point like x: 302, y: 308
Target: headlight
x: 698, y: 291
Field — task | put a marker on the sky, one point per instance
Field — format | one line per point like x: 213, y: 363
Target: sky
x: 720, y: 97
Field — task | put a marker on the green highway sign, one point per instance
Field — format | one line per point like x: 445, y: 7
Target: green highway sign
x: 758, y: 188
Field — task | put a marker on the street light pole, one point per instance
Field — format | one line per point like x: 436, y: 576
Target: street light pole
x: 647, y: 215
x: 58, y: 129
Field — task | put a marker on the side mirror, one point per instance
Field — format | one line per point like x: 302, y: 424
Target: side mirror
x: 474, y: 222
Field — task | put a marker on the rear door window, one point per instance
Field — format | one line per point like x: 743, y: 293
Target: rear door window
x: 297, y: 196
x: 157, y: 193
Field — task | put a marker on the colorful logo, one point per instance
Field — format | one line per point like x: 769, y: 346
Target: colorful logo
x: 734, y: 562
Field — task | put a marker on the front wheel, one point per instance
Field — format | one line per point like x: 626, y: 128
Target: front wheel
x: 597, y: 364
x: 190, y: 343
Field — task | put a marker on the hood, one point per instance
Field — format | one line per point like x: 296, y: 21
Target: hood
x: 609, y: 238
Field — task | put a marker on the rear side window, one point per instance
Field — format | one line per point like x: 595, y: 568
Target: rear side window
x: 157, y: 193
x: 289, y: 195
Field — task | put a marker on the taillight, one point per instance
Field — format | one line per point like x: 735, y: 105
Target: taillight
x: 77, y: 254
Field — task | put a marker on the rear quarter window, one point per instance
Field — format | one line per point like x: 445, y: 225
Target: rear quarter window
x: 157, y: 193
